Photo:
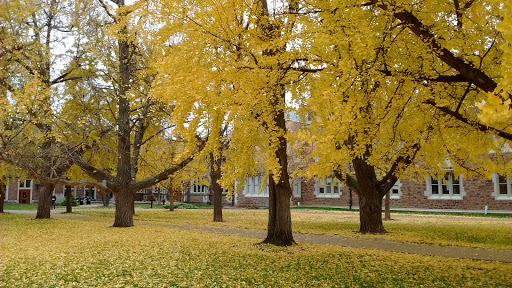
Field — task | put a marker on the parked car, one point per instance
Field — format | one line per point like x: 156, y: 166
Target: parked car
x: 82, y: 199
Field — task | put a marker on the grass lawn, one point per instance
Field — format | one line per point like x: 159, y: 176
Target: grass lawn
x: 87, y: 252
x: 477, y: 232
x: 17, y: 206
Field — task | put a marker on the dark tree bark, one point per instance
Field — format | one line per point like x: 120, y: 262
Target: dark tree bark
x: 106, y: 199
x: 215, y: 174
x: 171, y: 196
x: 279, y: 231
x: 69, y: 202
x: 387, y: 204
x: 124, y: 209
x: 3, y: 191
x: 370, y: 197
x: 45, y: 200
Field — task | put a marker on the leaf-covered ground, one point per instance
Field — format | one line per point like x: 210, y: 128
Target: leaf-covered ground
x: 89, y: 253
x: 477, y: 232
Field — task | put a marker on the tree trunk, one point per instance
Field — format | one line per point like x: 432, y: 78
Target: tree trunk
x: 171, y: 196
x: 69, y: 202
x: 370, y: 197
x: 279, y: 218
x: 387, y: 212
x: 279, y: 215
x: 3, y: 191
x: 45, y: 200
x: 124, y: 209
x: 370, y: 213
x: 106, y: 199
x: 215, y: 175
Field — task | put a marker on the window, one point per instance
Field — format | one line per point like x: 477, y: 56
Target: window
x: 25, y: 184
x: 90, y: 191
x: 253, y: 187
x: 296, y: 186
x: 448, y: 187
x: 198, y: 188
x: 396, y: 191
x: 327, y: 188
x: 502, y: 187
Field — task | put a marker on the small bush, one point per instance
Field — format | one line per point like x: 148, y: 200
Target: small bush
x: 179, y: 205
x: 73, y: 202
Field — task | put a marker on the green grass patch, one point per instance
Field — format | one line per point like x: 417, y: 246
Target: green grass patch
x: 18, y: 206
x: 177, y: 205
x: 53, y: 255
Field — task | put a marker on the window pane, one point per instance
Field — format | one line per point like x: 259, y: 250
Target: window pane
x: 321, y: 190
x: 502, y: 179
x: 456, y: 189
x: 27, y: 183
x: 435, y: 186
x: 445, y: 189
x: 335, y: 187
x: 21, y: 184
x: 503, y: 189
x: 328, y: 188
x: 394, y: 191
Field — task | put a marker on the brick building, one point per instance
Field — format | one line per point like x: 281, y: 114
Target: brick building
x: 27, y: 191
x: 459, y: 194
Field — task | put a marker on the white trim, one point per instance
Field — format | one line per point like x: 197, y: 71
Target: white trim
x: 252, y: 187
x: 27, y: 188
x: 449, y: 184
x: 332, y: 183
x: 398, y: 186
x: 203, y: 189
x: 496, y: 190
x: 296, y: 187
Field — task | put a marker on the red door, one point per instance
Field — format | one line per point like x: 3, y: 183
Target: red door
x: 25, y: 196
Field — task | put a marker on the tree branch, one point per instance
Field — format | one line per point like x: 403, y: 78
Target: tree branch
x: 479, y: 126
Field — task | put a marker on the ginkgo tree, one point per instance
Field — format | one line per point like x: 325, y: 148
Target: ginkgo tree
x: 138, y: 138
x: 42, y: 48
x: 232, y: 58
x: 372, y: 99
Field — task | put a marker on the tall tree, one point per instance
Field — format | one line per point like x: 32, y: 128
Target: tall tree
x: 243, y: 53
x: 134, y: 116
x: 37, y: 64
x: 369, y: 101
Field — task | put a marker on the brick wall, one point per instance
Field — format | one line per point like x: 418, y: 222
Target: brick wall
x: 478, y: 194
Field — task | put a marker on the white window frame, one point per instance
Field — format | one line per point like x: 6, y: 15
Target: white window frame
x: 496, y: 193
x: 321, y: 183
x: 198, y: 188
x: 296, y: 187
x: 252, y: 187
x: 397, y: 186
x: 6, y: 198
x: 31, y: 188
x: 449, y: 184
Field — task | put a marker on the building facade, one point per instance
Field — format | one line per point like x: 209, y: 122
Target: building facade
x: 449, y: 193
